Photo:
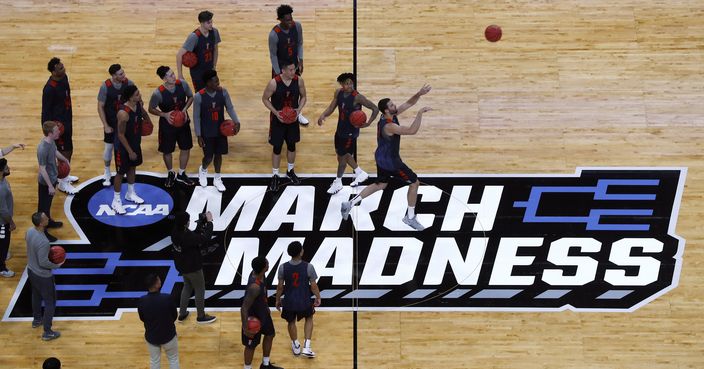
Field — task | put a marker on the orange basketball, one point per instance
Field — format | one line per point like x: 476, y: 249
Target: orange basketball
x: 189, y: 59
x: 358, y: 118
x: 493, y: 33
x: 57, y: 254
x: 289, y: 115
x: 64, y: 169
x: 253, y: 324
x: 147, y: 127
x: 178, y: 117
x: 229, y: 128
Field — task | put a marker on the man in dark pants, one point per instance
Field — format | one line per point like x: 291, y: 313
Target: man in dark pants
x: 56, y: 106
x: 297, y: 283
x: 158, y: 312
x: 189, y: 262
x: 203, y: 41
x: 47, y: 153
x: 255, y: 304
x: 7, y: 224
x: 41, y: 278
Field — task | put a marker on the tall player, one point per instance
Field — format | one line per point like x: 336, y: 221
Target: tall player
x: 128, y: 149
x: 286, y: 89
x: 255, y: 304
x: 347, y: 100
x: 110, y: 101
x: 173, y: 94
x: 56, y: 106
x: 297, y: 284
x: 203, y: 41
x: 286, y: 44
x: 208, y: 114
x: 388, y: 159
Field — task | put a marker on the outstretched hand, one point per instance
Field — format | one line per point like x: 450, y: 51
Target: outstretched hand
x: 424, y: 90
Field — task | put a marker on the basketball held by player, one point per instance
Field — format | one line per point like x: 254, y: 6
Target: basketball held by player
x: 347, y: 100
x: 388, y: 159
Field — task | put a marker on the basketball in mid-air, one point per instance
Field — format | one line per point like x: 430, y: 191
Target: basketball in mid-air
x: 493, y: 33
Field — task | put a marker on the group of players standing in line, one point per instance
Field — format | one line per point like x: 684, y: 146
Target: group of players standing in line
x: 123, y: 115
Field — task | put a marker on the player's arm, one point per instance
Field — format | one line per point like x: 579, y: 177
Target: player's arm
x: 61, y: 157
x: 11, y: 148
x: 279, y: 292
x: 302, y: 96
x: 316, y: 291
x: 360, y: 99
x: 395, y: 129
x: 414, y: 99
x: 46, y: 104
x: 266, y: 96
x: 329, y: 109
x: 189, y: 95
x: 273, y: 41
x: 122, y: 117
x: 250, y: 296
x: 179, y: 66
x: 215, y: 56
x: 101, y: 108
x: 299, y: 28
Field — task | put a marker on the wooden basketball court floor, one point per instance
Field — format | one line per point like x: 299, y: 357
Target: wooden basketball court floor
x: 571, y: 84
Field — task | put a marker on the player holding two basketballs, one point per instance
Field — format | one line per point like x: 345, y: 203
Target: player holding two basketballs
x: 349, y: 103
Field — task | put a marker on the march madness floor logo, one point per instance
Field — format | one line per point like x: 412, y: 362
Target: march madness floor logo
x: 602, y: 239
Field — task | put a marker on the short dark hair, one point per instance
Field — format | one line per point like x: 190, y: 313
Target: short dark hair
x: 37, y: 218
x: 383, y: 104
x: 208, y: 74
x: 114, y: 69
x: 161, y: 71
x: 294, y: 249
x: 51, y: 363
x: 150, y: 280
x: 3, y: 164
x: 283, y: 10
x: 181, y: 220
x: 128, y: 92
x: 285, y: 63
x: 345, y: 76
x: 52, y: 64
x: 204, y: 16
x: 259, y: 264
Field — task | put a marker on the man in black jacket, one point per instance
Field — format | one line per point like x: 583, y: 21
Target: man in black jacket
x: 189, y: 262
x: 158, y: 312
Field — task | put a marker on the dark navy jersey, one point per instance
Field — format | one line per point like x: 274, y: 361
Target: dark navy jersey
x: 204, y: 49
x: 285, y: 95
x: 172, y: 100
x: 296, y: 287
x: 212, y: 110
x: 56, y: 101
x: 287, y: 45
x: 387, y: 153
x: 133, y: 128
x: 260, y: 306
x: 113, y: 101
x: 345, y: 106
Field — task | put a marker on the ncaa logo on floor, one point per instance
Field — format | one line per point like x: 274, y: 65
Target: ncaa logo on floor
x: 157, y: 205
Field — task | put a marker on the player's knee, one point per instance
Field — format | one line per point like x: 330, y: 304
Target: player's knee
x: 291, y: 146
x: 277, y: 149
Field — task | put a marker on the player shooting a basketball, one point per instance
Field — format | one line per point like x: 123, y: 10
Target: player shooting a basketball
x: 388, y: 159
x: 348, y: 101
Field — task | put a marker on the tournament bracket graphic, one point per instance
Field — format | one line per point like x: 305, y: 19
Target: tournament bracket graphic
x: 602, y: 239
